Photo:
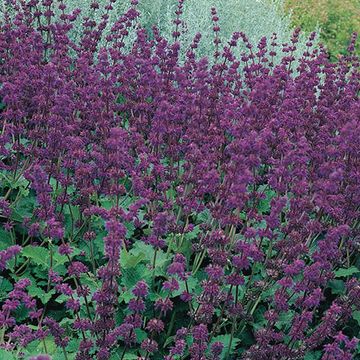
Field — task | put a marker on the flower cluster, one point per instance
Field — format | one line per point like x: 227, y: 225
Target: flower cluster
x: 160, y: 208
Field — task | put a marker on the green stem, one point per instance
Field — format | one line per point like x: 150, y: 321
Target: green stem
x: 123, y: 353
x: 255, y: 305
x: 198, y: 264
x: 153, y: 268
x: 172, y: 321
x: 45, y: 348
x: 65, y: 354
x: 231, y: 340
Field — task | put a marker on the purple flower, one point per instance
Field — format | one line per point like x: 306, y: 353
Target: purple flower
x: 40, y: 357
x: 185, y: 296
x: 9, y: 253
x: 215, y: 272
x: 216, y: 349
x: 141, y: 289
x: 126, y: 333
x: 57, y: 332
x: 77, y: 268
x: 171, y: 285
x: 200, y: 332
x: 149, y: 345
x: 163, y: 305
x: 177, y: 267
x: 65, y: 249
x: 73, y: 304
x: 136, y: 305
x: 155, y: 325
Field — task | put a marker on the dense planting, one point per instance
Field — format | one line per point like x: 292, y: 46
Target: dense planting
x: 154, y: 207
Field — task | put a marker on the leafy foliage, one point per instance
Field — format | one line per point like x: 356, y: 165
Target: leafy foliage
x: 337, y: 20
x: 157, y: 204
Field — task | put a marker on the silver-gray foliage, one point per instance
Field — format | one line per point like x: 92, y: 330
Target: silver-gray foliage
x: 256, y: 18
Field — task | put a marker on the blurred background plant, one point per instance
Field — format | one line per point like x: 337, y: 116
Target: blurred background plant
x: 256, y: 18
x: 336, y: 18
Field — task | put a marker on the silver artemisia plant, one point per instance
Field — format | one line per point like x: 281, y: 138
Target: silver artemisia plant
x: 256, y: 18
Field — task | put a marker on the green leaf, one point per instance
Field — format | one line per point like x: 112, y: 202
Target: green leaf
x: 264, y: 204
x: 171, y: 193
x: 107, y: 203
x: 356, y: 316
x: 132, y: 275
x: 36, y: 291
x: 6, y: 355
x: 204, y: 217
x: 193, y: 234
x: 91, y: 281
x: 126, y: 296
x: 73, y: 345
x: 50, y: 346
x: 192, y: 283
x: 20, y: 182
x: 285, y: 319
x: 39, y: 255
x: 168, y: 341
x: 148, y: 251
x: 21, y: 313
x: 225, y: 339
x: 59, y: 259
x: 128, y: 355
x: 140, y: 335
x: 41, y: 275
x: 5, y: 239
x: 314, y: 355
x: 5, y: 287
x: 24, y: 208
x: 9, y: 181
x: 99, y: 244
x: 337, y: 287
x: 343, y: 272
x: 260, y: 225
x: 59, y: 355
x: 128, y: 260
x: 130, y: 229
x: 61, y: 299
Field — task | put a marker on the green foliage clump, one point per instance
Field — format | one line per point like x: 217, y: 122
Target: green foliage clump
x: 338, y: 19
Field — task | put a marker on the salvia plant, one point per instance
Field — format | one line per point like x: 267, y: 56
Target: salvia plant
x: 159, y: 208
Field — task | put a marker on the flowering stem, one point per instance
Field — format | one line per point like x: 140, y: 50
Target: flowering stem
x: 154, y: 259
x: 172, y: 321
x: 231, y: 339
x: 198, y: 261
x: 213, y: 332
x: 188, y: 291
x: 92, y: 257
